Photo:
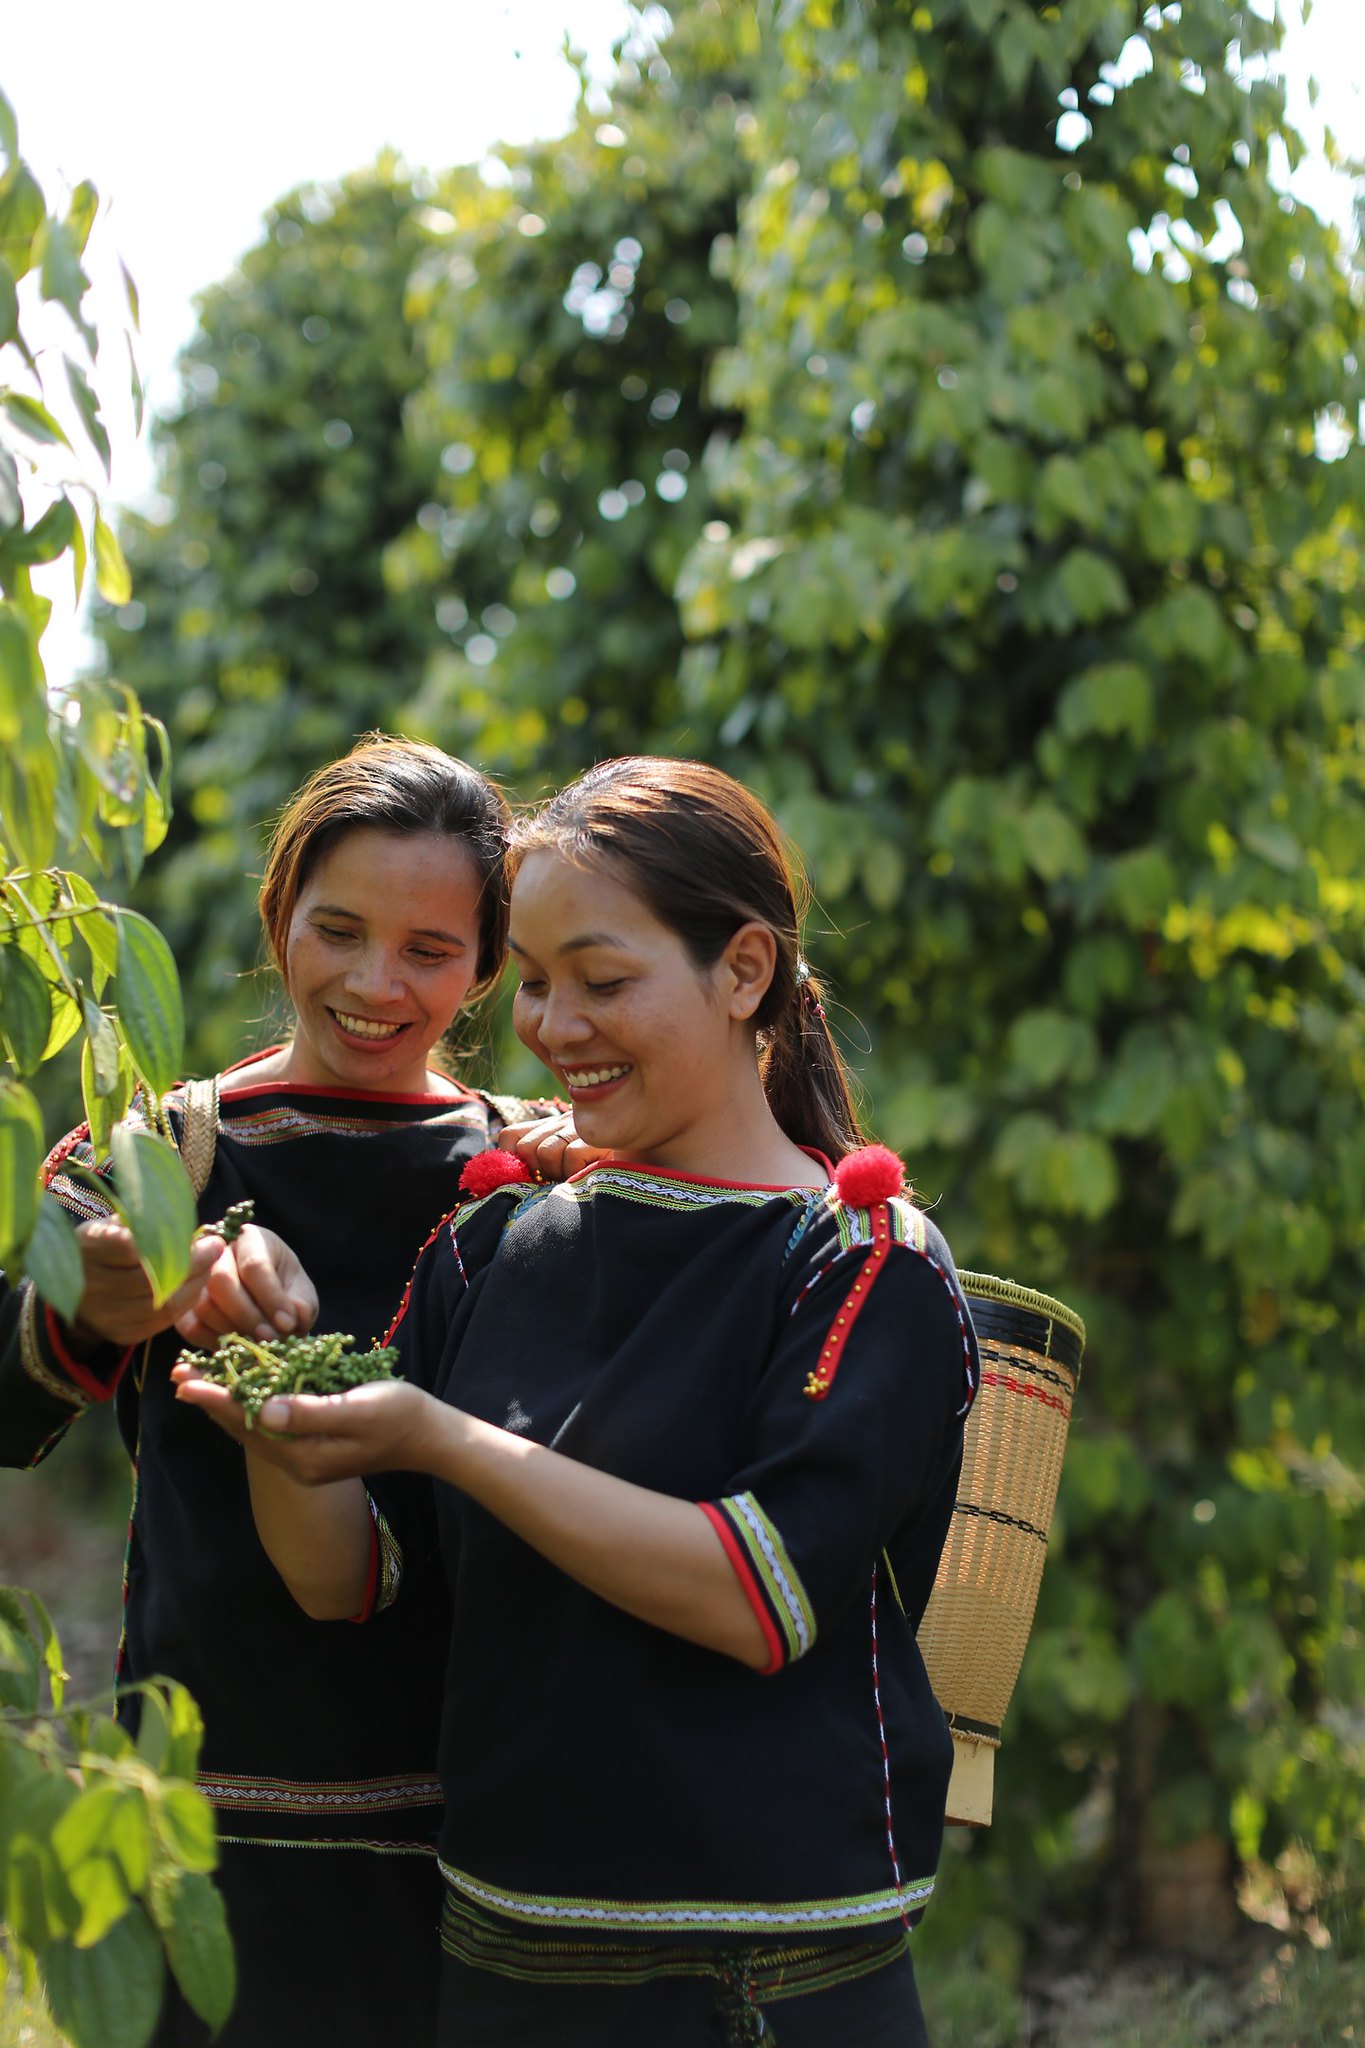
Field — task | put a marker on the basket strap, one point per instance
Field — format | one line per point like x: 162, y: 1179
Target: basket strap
x: 199, y: 1130
x: 819, y: 1382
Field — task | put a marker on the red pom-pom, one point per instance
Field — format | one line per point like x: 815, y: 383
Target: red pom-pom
x: 489, y: 1170
x: 872, y: 1175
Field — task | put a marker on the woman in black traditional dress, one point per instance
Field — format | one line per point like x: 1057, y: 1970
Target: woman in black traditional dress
x: 696, y: 1416
x: 384, y: 906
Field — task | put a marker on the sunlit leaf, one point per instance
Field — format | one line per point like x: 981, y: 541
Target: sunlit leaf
x: 9, y: 310
x: 150, y: 1009
x: 33, y: 419
x: 88, y: 406
x: 9, y: 129
x: 21, y: 1155
x: 102, y: 1040
x: 111, y: 570
x: 25, y: 1008
x: 80, y: 215
x: 158, y: 1202
x: 78, y: 559
x: 50, y: 537
x: 61, y: 278
x: 103, y: 1111
x: 21, y: 215
x: 183, y: 1818
x: 135, y: 387
x: 130, y: 293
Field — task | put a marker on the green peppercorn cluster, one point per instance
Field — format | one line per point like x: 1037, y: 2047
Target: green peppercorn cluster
x: 232, y: 1225
x: 254, y: 1372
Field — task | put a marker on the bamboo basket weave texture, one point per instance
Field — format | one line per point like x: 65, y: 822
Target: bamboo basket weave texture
x: 976, y: 1626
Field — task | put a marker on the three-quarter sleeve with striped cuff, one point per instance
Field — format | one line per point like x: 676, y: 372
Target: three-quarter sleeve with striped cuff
x: 841, y: 1464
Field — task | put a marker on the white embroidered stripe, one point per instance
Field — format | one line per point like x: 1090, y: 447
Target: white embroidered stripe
x: 289, y: 1798
x: 670, y: 1194
x: 370, y: 1848
x: 669, y: 1914
x: 779, y: 1569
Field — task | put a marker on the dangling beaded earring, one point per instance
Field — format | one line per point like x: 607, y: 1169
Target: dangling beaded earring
x: 805, y: 988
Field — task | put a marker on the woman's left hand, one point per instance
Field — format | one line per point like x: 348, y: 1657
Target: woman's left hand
x: 255, y: 1285
x: 316, y: 1438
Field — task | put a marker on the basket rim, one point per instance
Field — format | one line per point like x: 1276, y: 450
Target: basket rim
x: 991, y: 1287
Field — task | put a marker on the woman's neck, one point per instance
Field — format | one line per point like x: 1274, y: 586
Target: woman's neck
x: 276, y: 1064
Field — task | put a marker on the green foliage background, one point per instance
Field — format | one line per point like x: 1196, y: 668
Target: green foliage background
x: 816, y: 411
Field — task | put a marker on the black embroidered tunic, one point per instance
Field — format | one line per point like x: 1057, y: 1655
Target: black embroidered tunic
x: 317, y: 1735
x: 601, y: 1774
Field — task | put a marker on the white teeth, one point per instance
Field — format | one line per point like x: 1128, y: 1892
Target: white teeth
x: 593, y: 1077
x: 366, y: 1027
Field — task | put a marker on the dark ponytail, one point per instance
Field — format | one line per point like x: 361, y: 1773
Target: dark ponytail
x: 706, y: 857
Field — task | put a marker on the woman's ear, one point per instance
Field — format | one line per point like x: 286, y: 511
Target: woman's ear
x: 748, y: 965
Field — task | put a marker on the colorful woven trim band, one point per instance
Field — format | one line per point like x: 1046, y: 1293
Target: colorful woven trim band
x: 485, y: 1943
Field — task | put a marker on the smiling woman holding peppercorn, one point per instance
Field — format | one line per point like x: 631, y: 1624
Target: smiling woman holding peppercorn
x: 695, y: 1419
x: 384, y: 909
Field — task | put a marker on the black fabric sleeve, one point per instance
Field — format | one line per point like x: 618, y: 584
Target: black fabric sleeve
x: 834, y: 1476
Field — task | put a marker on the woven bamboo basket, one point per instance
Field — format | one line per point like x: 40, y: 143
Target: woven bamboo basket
x: 977, y: 1623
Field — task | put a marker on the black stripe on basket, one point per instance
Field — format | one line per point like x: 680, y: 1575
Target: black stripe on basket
x: 968, y: 1507
x: 962, y: 1724
x: 1005, y: 1322
x: 1030, y: 1365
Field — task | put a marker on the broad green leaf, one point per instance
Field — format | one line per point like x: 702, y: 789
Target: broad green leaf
x: 199, y: 1948
x: 88, y: 406
x: 61, y: 278
x: 11, y: 504
x: 21, y: 1156
x: 9, y: 312
x: 84, y: 1827
x: 18, y: 1667
x: 49, y: 538
x: 153, y: 1728
x: 21, y: 215
x: 66, y: 1021
x: 158, y: 1202
x: 1052, y: 845
x: 157, y: 813
x: 135, y: 387
x: 22, y: 710
x: 78, y: 555
x: 103, y: 1042
x: 187, y: 1732
x: 80, y: 215
x: 33, y: 419
x: 9, y: 130
x: 96, y: 927
x: 183, y: 1818
x: 102, y: 1112
x: 52, y: 1258
x: 101, y: 1892
x: 130, y: 293
x: 52, y: 1649
x: 108, y: 1996
x: 25, y: 1008
x: 111, y: 570
x: 150, y: 1009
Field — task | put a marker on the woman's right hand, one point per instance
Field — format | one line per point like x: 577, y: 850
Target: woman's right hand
x: 254, y: 1285
x: 116, y: 1305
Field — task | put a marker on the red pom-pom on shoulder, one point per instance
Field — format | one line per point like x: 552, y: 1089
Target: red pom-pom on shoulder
x: 492, y: 1169
x: 871, y: 1175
